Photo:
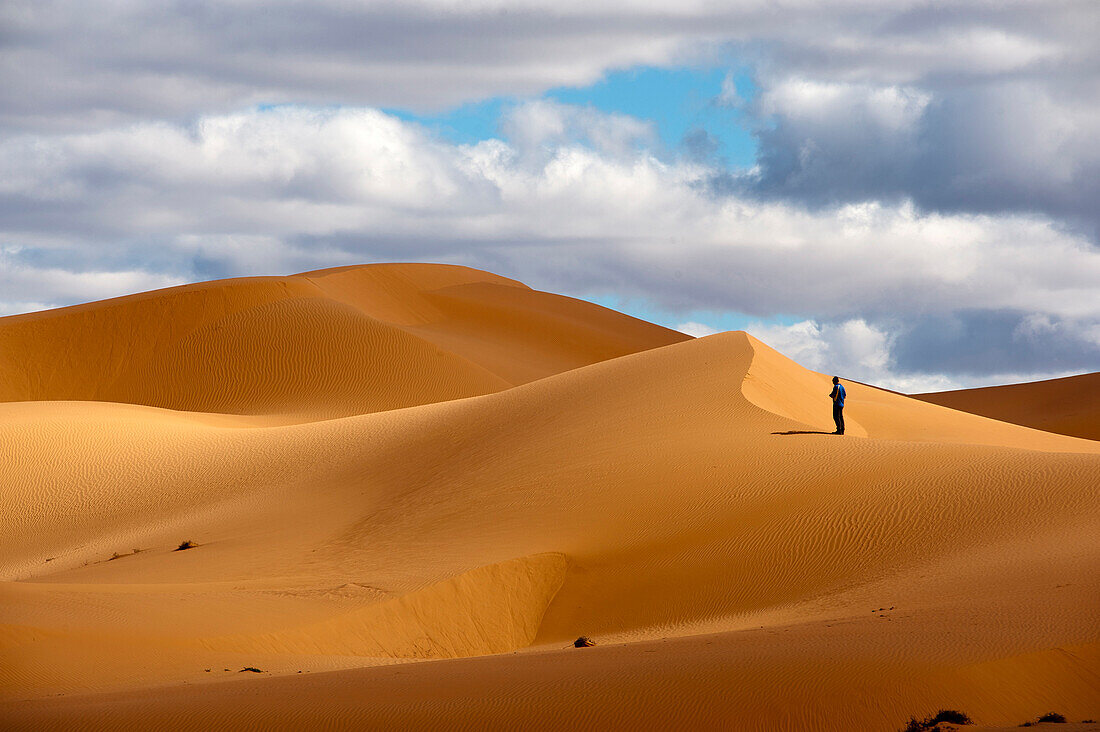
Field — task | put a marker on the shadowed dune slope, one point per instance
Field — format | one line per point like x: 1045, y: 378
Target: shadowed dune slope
x: 673, y: 492
x: 1069, y: 406
x: 321, y: 344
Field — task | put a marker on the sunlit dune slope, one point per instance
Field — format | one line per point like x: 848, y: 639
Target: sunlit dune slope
x: 391, y: 463
x: 321, y: 344
x: 1069, y: 406
x: 679, y: 490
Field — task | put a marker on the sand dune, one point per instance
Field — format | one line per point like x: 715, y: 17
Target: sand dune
x: 1069, y: 406
x: 678, y: 501
x: 320, y: 344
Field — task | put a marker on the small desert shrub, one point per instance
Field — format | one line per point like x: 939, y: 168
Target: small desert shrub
x: 186, y: 545
x: 951, y: 715
x: 583, y: 642
x: 944, y: 715
x: 114, y: 556
x: 1053, y: 717
x: 253, y: 669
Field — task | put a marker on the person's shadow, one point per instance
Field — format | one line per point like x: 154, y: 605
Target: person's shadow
x: 803, y: 432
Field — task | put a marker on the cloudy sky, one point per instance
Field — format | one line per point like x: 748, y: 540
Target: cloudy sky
x: 901, y: 192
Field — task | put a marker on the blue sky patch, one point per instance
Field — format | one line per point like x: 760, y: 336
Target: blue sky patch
x: 719, y: 320
x: 684, y: 104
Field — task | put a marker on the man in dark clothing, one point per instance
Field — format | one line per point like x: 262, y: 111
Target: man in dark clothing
x: 837, y: 395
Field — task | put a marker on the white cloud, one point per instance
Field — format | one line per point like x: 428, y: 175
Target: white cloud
x: 696, y: 329
x: 967, y: 106
x: 894, y: 109
x: 291, y: 189
x: 542, y: 126
x: 72, y: 64
x: 854, y: 349
x: 36, y: 288
x: 296, y: 186
x: 247, y: 187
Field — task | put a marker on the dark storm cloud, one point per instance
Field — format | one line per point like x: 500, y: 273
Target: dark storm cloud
x: 977, y: 342
x: 993, y: 149
x: 958, y: 107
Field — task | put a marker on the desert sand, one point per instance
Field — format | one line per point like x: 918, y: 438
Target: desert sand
x: 411, y: 487
x: 1068, y: 406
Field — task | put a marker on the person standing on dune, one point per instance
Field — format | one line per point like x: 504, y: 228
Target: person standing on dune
x: 837, y: 395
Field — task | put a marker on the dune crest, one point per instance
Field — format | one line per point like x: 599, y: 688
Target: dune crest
x: 778, y: 385
x: 321, y: 344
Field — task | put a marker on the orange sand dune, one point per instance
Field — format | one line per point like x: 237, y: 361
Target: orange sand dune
x: 330, y: 343
x: 739, y: 568
x: 1069, y: 406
